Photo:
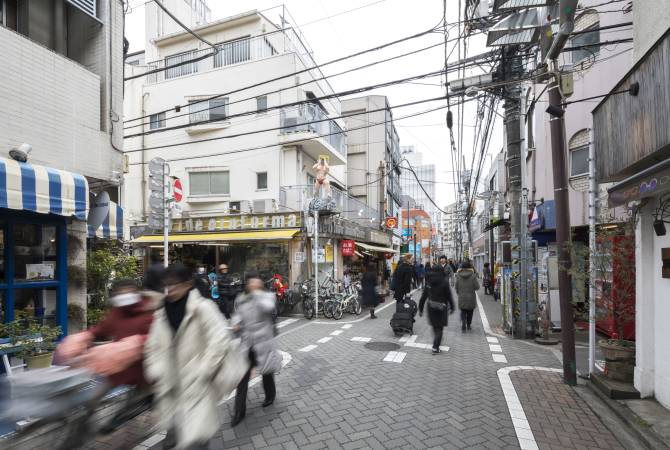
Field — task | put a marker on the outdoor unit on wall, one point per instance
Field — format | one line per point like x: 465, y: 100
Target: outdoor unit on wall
x: 234, y: 207
x: 87, y: 6
x: 263, y: 206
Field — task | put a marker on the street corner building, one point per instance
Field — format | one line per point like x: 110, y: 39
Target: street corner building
x: 632, y: 144
x: 60, y: 150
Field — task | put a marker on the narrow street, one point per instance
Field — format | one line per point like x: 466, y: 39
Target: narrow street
x: 353, y: 384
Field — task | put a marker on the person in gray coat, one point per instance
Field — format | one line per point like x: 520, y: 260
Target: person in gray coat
x: 467, y: 286
x: 253, y: 321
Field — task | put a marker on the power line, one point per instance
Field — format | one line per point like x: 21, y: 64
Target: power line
x: 293, y: 74
x: 300, y: 84
x: 341, y: 13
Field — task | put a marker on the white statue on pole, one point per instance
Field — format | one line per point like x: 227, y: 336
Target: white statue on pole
x: 321, y: 184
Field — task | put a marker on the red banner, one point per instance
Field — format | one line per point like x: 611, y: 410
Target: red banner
x: 348, y: 247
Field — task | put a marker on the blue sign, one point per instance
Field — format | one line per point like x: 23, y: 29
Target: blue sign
x: 407, y: 232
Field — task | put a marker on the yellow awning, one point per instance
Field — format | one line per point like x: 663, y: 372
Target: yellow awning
x: 374, y: 248
x: 232, y: 236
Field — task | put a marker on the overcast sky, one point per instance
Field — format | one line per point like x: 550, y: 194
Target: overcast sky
x: 383, y: 21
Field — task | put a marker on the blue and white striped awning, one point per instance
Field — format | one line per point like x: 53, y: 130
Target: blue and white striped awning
x: 112, y: 226
x: 29, y: 187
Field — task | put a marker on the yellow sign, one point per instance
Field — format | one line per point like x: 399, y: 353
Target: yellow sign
x: 237, y: 222
x: 329, y: 253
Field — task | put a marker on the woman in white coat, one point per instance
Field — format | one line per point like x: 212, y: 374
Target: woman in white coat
x: 253, y: 320
x: 185, y: 350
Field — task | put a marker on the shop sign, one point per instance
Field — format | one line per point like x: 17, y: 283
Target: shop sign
x: 236, y: 222
x: 391, y: 222
x: 378, y: 237
x: 348, y: 247
x: 299, y: 257
x: 331, y: 227
x: 329, y: 253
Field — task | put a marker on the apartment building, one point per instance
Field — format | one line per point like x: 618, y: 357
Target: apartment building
x: 423, y: 189
x: 451, y: 231
x: 60, y: 143
x: 373, y: 160
x: 243, y: 148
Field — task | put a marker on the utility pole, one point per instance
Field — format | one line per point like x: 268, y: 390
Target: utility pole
x: 523, y: 227
x: 593, y: 212
x: 557, y: 127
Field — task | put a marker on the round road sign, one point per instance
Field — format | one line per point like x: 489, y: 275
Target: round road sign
x: 177, y: 190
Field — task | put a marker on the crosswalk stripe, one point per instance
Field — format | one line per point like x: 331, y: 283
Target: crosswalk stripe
x: 336, y: 333
x: 324, y: 340
x: 286, y: 322
x: 309, y: 348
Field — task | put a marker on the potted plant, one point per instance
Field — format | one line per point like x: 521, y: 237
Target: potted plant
x: 34, y: 341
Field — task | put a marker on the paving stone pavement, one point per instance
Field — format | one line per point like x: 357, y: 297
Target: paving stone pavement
x: 558, y: 417
x: 342, y: 394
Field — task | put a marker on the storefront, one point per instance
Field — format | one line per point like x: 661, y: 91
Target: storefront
x: 39, y: 208
x: 261, y: 242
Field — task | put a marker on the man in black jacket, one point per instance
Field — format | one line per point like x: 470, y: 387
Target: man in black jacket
x: 227, y: 291
x: 402, y: 278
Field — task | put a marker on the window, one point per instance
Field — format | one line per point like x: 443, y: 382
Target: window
x: 261, y: 103
x: 209, y: 183
x: 579, y: 153
x: 212, y: 110
x: 8, y: 14
x: 587, y: 21
x: 261, y: 180
x: 157, y: 121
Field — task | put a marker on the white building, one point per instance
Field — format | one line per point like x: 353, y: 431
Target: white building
x: 451, y: 231
x: 426, y: 175
x: 62, y: 94
x: 243, y: 147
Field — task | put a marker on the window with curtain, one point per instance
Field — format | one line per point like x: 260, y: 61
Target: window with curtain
x: 209, y: 183
x: 261, y: 103
x: 157, y: 121
x: 587, y: 26
x: 261, y: 180
x: 579, y: 153
x: 214, y: 110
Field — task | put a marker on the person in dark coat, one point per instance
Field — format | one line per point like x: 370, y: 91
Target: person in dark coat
x: 402, y: 278
x: 420, y: 276
x: 440, y: 304
x: 369, y: 290
x: 487, y: 280
x: 467, y: 286
x: 227, y: 291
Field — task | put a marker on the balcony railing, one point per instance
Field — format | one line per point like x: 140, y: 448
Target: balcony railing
x: 311, y: 118
x: 298, y: 197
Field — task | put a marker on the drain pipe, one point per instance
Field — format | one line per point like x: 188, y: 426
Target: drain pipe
x: 144, y: 169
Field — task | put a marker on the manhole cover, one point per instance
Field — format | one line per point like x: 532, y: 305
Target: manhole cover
x: 382, y: 346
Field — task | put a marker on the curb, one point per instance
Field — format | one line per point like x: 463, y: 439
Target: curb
x: 633, y: 423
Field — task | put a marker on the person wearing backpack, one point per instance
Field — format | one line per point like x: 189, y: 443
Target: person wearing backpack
x: 440, y: 304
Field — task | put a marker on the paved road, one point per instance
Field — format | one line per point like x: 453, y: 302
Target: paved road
x: 353, y: 384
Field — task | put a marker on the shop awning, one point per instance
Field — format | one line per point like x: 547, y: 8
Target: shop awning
x: 374, y: 248
x: 112, y: 225
x: 232, y: 236
x: 29, y: 187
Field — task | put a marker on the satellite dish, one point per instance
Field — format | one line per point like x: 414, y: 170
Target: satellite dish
x: 21, y: 152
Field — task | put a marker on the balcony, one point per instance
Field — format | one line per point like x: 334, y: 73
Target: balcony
x: 298, y: 197
x: 309, y: 126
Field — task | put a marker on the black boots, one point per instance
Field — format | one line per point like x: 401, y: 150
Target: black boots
x: 372, y: 314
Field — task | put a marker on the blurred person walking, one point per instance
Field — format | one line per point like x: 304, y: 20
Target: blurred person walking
x: 227, y: 291
x: 440, y: 304
x: 184, y: 353
x: 420, y: 276
x: 467, y: 286
x: 401, y: 283
x: 369, y: 298
x: 254, y: 322
x: 487, y: 279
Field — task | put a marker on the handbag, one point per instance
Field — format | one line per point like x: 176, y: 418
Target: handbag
x: 438, y: 306
x: 233, y: 368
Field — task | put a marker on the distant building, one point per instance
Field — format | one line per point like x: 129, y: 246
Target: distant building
x: 426, y: 176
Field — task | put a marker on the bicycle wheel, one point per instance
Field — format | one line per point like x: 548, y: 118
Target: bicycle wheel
x: 328, y: 308
x: 337, y: 313
x: 308, y: 308
x: 357, y: 306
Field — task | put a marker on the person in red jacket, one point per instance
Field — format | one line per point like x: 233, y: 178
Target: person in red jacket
x: 127, y: 325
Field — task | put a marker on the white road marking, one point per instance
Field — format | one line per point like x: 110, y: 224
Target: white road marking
x: 418, y: 345
x: 491, y: 339
x: 444, y: 348
x: 482, y: 314
x: 523, y: 432
x: 324, y: 340
x: 286, y: 322
x: 499, y: 358
x: 336, y: 333
x: 346, y: 327
x: 309, y: 348
x: 159, y: 437
x: 495, y: 348
x: 395, y: 357
x: 361, y: 339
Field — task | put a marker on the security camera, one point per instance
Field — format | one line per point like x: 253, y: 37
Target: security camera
x: 21, y: 152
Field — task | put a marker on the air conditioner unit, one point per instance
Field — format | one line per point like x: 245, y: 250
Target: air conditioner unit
x: 234, y: 207
x: 264, y: 206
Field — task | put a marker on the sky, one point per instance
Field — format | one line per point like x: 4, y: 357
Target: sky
x: 331, y: 34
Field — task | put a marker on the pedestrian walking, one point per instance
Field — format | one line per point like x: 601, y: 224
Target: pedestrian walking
x: 440, y: 304
x: 401, y: 284
x: 467, y: 286
x: 369, y: 298
x: 253, y: 321
x: 445, y: 267
x: 201, y: 281
x: 487, y: 280
x: 421, y: 275
x: 227, y: 291
x: 184, y: 352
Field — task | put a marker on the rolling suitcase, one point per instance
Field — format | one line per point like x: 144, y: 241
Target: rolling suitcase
x: 402, y: 322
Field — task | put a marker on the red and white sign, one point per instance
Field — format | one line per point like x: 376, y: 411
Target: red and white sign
x: 391, y: 222
x: 348, y: 247
x: 177, y: 190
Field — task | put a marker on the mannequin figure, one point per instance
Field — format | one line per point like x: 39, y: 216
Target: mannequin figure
x: 322, y: 169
